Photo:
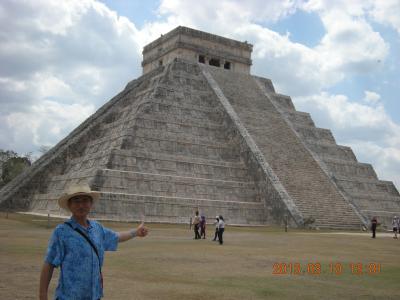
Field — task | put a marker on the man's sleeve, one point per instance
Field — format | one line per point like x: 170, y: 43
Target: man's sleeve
x: 55, y: 249
x: 110, y: 239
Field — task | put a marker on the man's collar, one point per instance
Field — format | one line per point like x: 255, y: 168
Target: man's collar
x: 75, y: 224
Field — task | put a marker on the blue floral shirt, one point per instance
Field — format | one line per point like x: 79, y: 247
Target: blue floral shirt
x: 79, y: 273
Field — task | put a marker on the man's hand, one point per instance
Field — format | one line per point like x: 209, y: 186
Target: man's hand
x: 141, y: 230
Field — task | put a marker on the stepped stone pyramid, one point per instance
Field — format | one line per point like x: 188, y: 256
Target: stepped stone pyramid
x: 197, y: 131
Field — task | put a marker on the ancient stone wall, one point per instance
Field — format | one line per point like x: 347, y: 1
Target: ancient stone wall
x: 189, y: 44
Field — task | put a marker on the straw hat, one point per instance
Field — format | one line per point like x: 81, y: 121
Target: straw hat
x: 76, y: 190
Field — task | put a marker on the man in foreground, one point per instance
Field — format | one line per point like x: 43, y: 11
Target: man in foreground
x: 78, y: 246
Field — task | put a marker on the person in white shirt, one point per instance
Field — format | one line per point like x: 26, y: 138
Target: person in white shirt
x: 196, y: 224
x: 216, y: 228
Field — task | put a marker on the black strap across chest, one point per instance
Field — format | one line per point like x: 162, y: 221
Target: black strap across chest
x: 88, y: 240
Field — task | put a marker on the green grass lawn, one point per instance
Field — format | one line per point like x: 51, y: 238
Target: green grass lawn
x: 169, y: 264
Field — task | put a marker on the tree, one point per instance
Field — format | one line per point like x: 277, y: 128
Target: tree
x: 11, y: 165
x: 6, y: 155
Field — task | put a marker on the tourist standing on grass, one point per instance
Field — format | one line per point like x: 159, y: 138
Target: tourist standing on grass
x: 78, y: 246
x: 216, y: 228
x: 203, y: 226
x: 221, y: 229
x: 196, y: 224
x: 396, y: 226
x: 374, y: 224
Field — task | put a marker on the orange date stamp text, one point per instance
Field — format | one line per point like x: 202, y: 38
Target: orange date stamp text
x: 334, y: 268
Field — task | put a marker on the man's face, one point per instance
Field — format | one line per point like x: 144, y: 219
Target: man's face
x: 80, y: 205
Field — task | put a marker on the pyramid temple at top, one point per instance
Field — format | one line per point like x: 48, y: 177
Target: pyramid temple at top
x: 198, y: 131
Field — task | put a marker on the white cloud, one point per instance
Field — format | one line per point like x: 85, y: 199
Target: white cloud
x: 354, y: 8
x: 60, y: 61
x: 350, y: 44
x: 46, y: 121
x: 371, y: 97
x: 228, y: 12
x: 387, y: 12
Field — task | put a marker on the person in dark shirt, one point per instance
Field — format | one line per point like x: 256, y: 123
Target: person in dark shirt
x: 374, y: 224
x: 221, y: 229
x: 203, y: 226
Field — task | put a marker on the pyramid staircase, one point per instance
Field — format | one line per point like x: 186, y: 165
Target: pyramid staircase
x: 299, y: 173
x: 356, y: 182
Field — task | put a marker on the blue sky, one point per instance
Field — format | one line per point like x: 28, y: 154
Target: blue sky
x: 338, y: 60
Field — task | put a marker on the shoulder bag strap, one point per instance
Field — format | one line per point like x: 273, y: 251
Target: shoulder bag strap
x: 88, y: 240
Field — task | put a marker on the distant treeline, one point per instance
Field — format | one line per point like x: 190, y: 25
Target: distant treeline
x: 12, y: 164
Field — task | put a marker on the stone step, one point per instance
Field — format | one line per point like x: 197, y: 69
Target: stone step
x: 383, y: 205
x: 104, y: 143
x: 258, y: 115
x: 331, y: 219
x: 179, y: 82
x: 183, y: 133
x: 284, y: 102
x: 58, y: 183
x: 162, y: 104
x: 215, y: 150
x: 203, y: 100
x: 267, y: 83
x: 323, y: 213
x: 331, y: 151
x: 188, y: 111
x: 309, y: 133
x: 176, y: 186
x: 298, y: 118
x: 177, y: 165
x: 351, y: 170
x: 366, y: 185
x: 375, y: 196
x: 342, y: 168
x: 181, y: 119
x: 146, y: 81
x: 150, y: 121
x: 374, y: 201
x: 180, y: 158
x: 99, y: 159
x: 336, y: 225
x: 384, y: 217
x: 135, y: 207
